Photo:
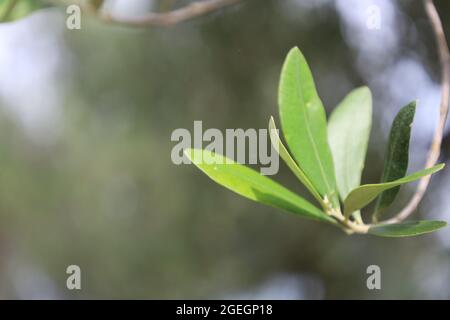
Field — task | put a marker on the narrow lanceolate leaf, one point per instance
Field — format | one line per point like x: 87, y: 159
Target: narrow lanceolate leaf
x: 348, y: 133
x: 11, y: 10
x: 304, y: 126
x: 284, y: 154
x: 364, y: 194
x: 250, y: 184
x: 396, y: 162
x: 407, y: 229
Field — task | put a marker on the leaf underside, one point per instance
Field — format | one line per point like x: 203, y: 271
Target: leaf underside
x: 363, y: 195
x: 407, y: 229
x: 348, y: 133
x: 252, y: 185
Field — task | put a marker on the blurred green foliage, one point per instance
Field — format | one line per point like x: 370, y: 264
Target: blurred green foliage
x: 105, y: 195
x: 11, y: 10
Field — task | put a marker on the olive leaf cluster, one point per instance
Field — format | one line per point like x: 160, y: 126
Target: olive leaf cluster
x: 327, y: 158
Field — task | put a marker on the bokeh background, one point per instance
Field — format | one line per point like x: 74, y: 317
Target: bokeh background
x: 86, y: 176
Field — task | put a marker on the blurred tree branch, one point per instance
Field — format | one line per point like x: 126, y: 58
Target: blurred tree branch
x: 160, y: 19
x: 435, y: 149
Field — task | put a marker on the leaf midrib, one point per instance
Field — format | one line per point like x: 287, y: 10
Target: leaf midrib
x: 308, y: 129
x: 390, y: 156
x: 286, y: 195
x: 345, y: 160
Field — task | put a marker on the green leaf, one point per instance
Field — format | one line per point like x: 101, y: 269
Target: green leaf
x: 284, y: 153
x: 11, y: 10
x: 364, y: 194
x: 250, y: 184
x: 348, y: 133
x: 396, y: 162
x: 303, y: 121
x: 407, y: 229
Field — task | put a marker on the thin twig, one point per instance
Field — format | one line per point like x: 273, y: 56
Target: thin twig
x: 435, y: 149
x: 170, y: 18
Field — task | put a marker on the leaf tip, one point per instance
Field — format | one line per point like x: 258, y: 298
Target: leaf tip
x: 295, y: 49
x: 189, y: 153
x: 271, y: 119
x: 296, y: 53
x: 436, y: 168
x: 364, y: 92
x: 412, y: 106
x: 365, y: 89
